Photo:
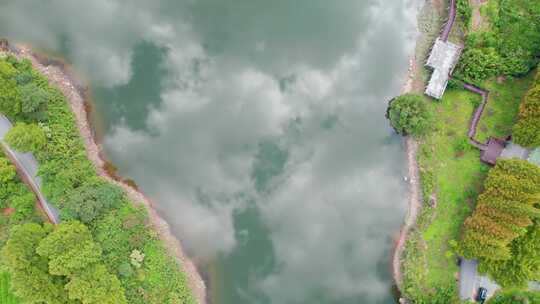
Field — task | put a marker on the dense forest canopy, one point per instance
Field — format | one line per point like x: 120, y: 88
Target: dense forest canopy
x: 104, y: 250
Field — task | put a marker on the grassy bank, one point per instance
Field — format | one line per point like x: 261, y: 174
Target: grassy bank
x: 452, y: 177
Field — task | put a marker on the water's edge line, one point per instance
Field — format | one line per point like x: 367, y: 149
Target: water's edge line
x: 60, y: 78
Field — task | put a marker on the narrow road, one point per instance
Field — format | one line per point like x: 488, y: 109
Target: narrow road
x: 467, y: 278
x: 27, y: 166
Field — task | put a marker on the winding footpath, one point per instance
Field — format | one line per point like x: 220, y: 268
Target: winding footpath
x: 27, y: 166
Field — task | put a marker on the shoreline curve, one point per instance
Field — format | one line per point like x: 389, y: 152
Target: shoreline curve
x: 67, y: 83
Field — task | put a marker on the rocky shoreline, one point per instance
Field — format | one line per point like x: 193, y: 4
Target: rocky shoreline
x: 60, y: 76
x: 428, y: 27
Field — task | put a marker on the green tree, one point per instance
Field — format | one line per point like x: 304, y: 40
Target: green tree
x: 30, y: 279
x: 523, y: 266
x: 33, y: 101
x: 69, y: 249
x: 527, y: 130
x: 72, y: 252
x: 90, y: 201
x: 24, y: 204
x: 504, y: 211
x: 26, y: 137
x: 409, y: 114
x: 477, y: 64
x: 96, y: 286
x: 7, y: 171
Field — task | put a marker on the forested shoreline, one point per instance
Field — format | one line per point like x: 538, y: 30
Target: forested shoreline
x: 104, y: 250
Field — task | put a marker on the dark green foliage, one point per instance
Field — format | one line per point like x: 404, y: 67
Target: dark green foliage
x: 10, y: 99
x: 33, y: 101
x: 504, y: 211
x: 26, y: 137
x: 511, y: 47
x: 479, y: 64
x: 464, y: 11
x: 527, y: 130
x: 409, y: 114
x: 90, y: 201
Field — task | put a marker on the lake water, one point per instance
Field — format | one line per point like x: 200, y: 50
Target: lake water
x: 257, y: 127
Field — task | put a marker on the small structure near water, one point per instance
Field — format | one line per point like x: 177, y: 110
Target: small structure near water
x: 492, y: 150
x: 443, y: 58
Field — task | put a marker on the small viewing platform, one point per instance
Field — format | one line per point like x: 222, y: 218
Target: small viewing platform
x: 443, y: 58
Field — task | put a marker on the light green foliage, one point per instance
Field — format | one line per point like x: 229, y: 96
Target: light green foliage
x: 30, y: 279
x: 527, y: 130
x: 69, y: 249
x: 136, y: 258
x: 26, y: 137
x: 45, y: 263
x: 121, y: 232
x: 7, y: 171
x: 96, y: 286
x: 24, y: 204
x: 501, y: 112
x: 410, y: 115
x: 14, y: 194
x: 90, y: 201
x: 503, y: 212
x: 515, y: 297
x: 524, y: 265
x: 6, y: 297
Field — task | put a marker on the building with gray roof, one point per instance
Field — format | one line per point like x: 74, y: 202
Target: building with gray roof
x: 443, y: 58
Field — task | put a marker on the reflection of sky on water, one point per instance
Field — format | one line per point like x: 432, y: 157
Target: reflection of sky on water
x: 227, y: 111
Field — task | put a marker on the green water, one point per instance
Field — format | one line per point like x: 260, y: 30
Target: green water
x: 257, y: 127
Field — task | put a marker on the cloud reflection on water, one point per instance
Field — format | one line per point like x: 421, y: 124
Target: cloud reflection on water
x: 239, y: 74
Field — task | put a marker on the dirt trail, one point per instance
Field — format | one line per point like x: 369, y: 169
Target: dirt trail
x: 477, y: 19
x: 59, y: 77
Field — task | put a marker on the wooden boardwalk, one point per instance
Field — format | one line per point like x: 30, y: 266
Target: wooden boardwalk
x: 450, y: 23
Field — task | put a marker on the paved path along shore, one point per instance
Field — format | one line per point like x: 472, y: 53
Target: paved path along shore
x: 27, y: 166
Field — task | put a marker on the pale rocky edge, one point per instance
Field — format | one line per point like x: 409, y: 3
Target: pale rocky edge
x: 414, y: 200
x: 413, y: 84
x: 59, y: 78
